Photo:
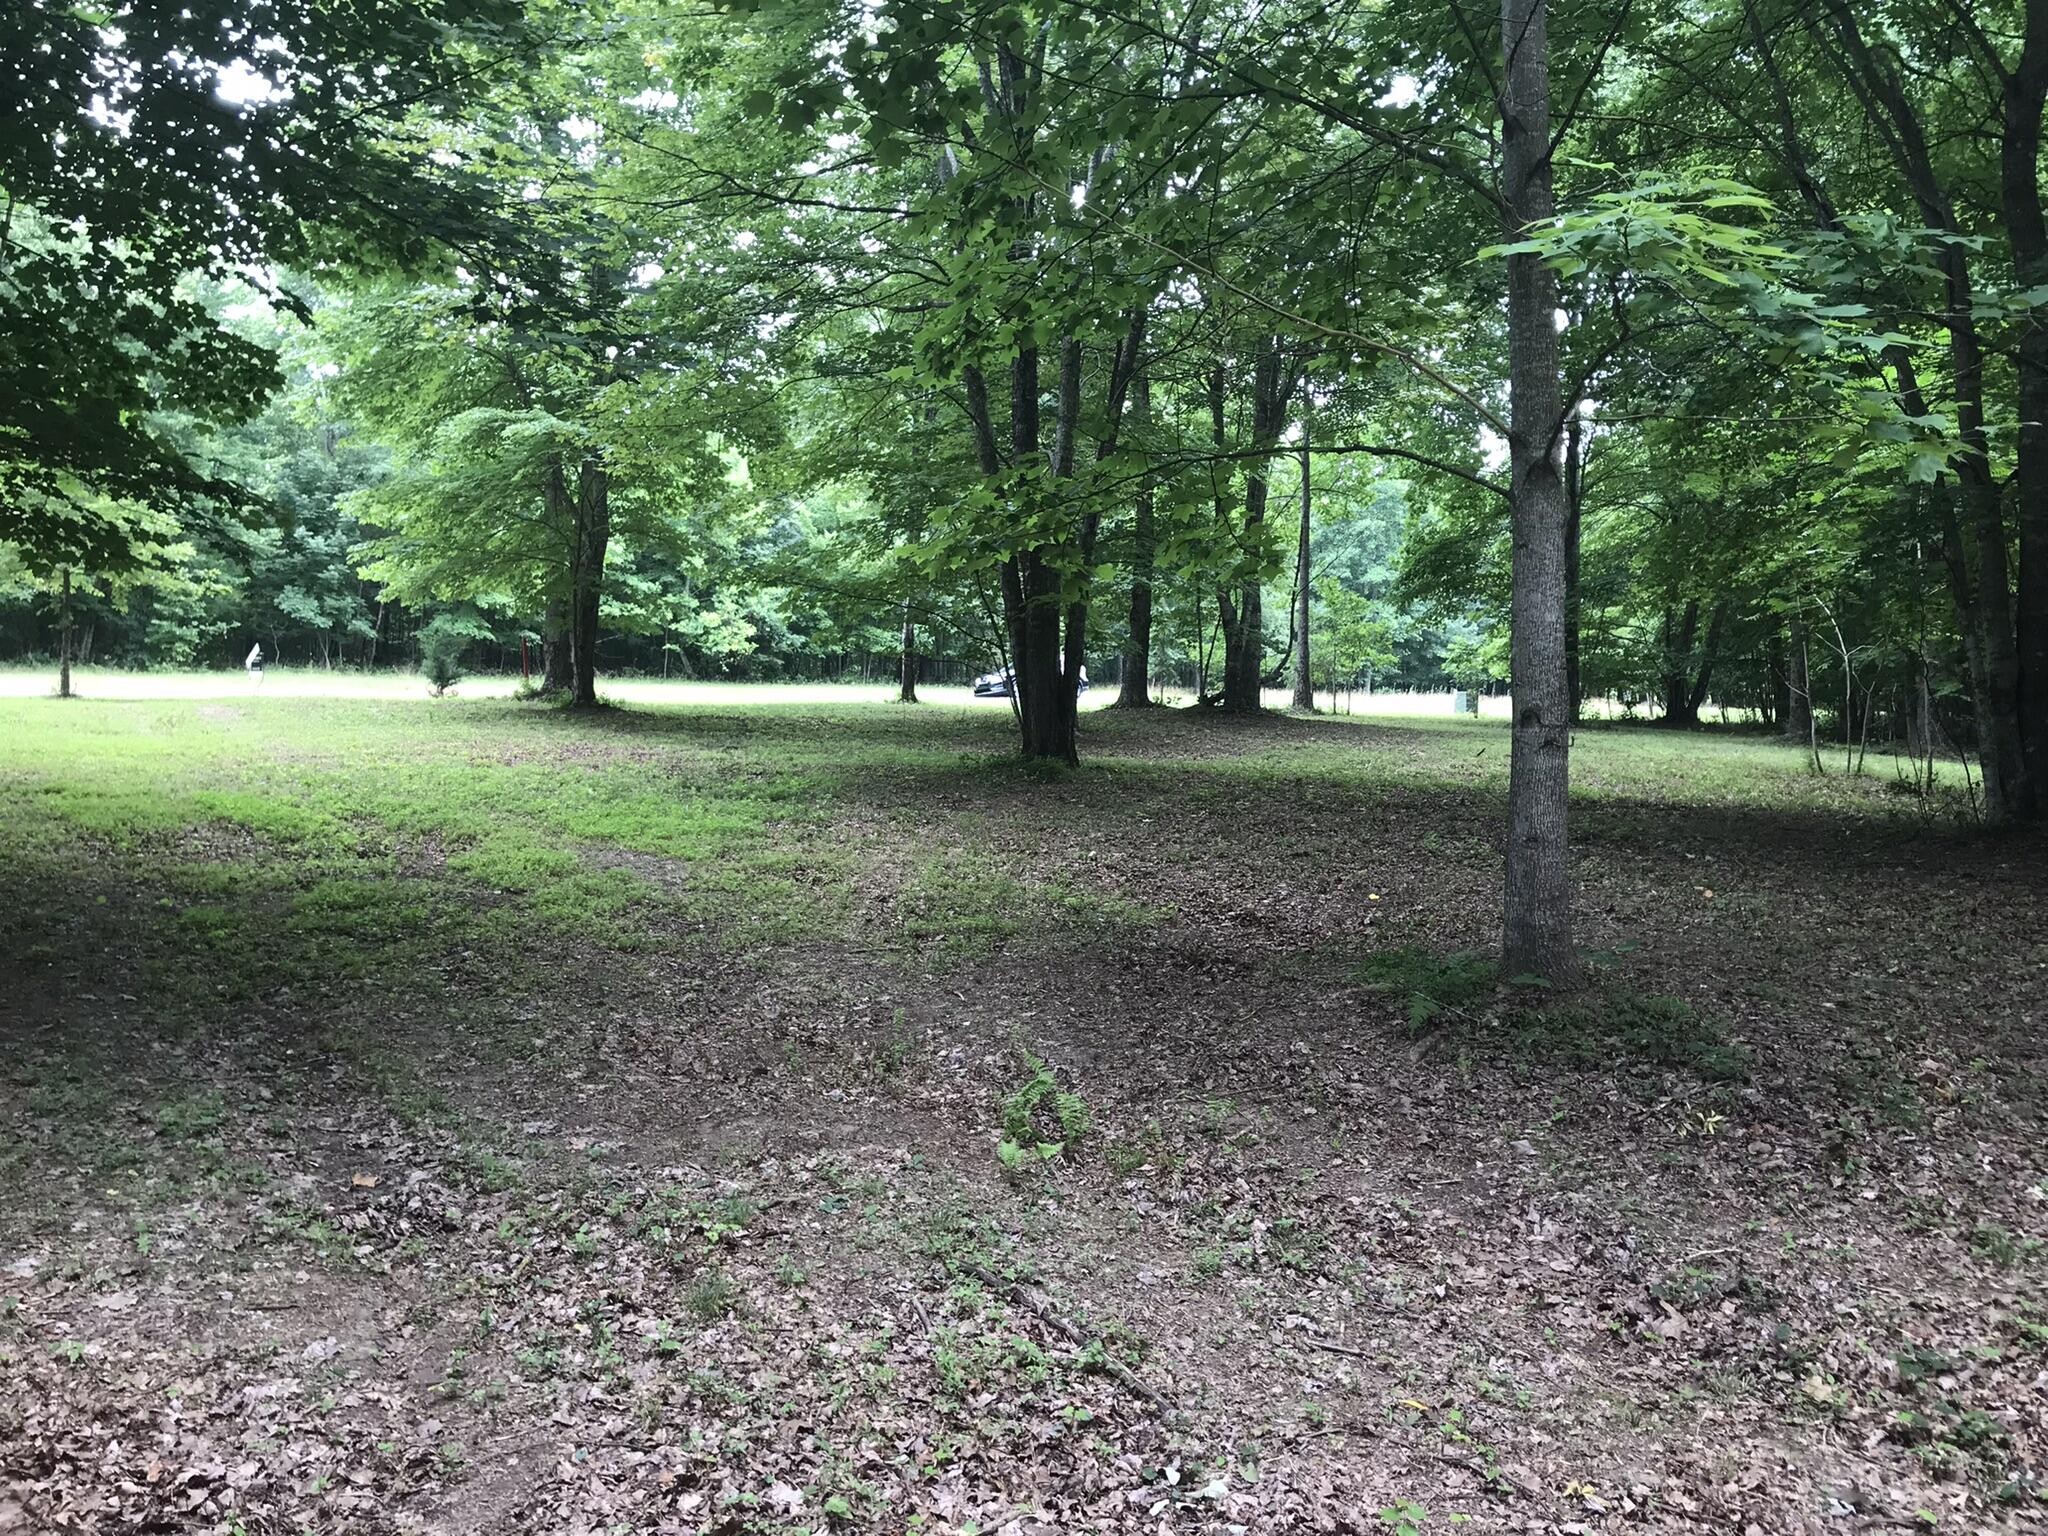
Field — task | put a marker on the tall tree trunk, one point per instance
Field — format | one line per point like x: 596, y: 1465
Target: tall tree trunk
x: 1575, y: 496
x: 1304, y: 695
x: 1975, y: 537
x: 1244, y: 650
x: 1220, y: 477
x: 1537, y: 917
x: 1779, y: 702
x: 2026, y: 92
x: 1710, y: 655
x: 906, y: 670
x: 1032, y: 594
x: 586, y: 586
x: 1919, y: 714
x: 1677, y: 643
x: 1135, y: 690
x: 1123, y: 368
x: 64, y: 638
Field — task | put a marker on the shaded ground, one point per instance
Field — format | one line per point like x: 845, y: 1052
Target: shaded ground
x: 463, y: 1118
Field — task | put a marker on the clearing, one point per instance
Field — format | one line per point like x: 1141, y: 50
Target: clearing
x: 769, y: 1117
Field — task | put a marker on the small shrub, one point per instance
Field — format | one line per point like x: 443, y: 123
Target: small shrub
x: 1040, y: 1119
x: 1429, y: 983
x: 711, y: 1298
x: 442, y: 665
x: 2001, y: 1246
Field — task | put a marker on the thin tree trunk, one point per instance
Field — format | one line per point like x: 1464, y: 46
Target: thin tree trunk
x: 1135, y: 690
x: 1537, y: 919
x: 1798, y: 716
x: 906, y: 691
x: 1575, y: 493
x: 1123, y: 369
x: 1976, y: 543
x: 1304, y: 695
x: 586, y: 588
x: 1781, y: 690
x: 64, y: 638
x: 1245, y: 626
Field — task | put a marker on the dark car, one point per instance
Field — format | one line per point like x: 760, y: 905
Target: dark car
x: 996, y: 684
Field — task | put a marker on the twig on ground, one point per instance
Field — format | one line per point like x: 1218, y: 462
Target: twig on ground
x: 1034, y: 1301
x: 1340, y: 1349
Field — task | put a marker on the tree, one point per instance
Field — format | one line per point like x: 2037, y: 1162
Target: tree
x: 1536, y: 933
x: 136, y: 161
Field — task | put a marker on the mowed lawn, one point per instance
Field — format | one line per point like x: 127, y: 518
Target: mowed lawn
x: 743, y: 1115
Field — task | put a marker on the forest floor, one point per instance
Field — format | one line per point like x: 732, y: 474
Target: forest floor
x: 463, y: 1117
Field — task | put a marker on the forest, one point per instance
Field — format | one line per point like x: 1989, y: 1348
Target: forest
x: 948, y: 766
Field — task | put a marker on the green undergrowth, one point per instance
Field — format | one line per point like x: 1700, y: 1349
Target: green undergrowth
x: 1603, y: 1023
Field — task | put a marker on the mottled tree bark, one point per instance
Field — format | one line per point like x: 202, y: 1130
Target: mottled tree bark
x: 1537, y: 919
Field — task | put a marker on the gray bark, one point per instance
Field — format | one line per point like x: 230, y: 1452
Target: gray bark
x: 1537, y: 919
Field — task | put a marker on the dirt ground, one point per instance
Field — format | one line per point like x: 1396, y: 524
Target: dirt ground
x: 1169, y: 1205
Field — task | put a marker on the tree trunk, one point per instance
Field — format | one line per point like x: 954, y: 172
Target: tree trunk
x: 906, y: 690
x: 1304, y: 695
x: 64, y: 638
x: 1032, y: 597
x: 1710, y: 654
x: 1244, y: 651
x: 1798, y: 713
x: 1678, y: 664
x: 2026, y: 92
x: 1537, y: 918
x: 1135, y: 689
x: 1778, y: 703
x: 1919, y: 714
x: 1975, y: 538
x: 556, y: 675
x: 586, y: 578
x: 1575, y: 495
